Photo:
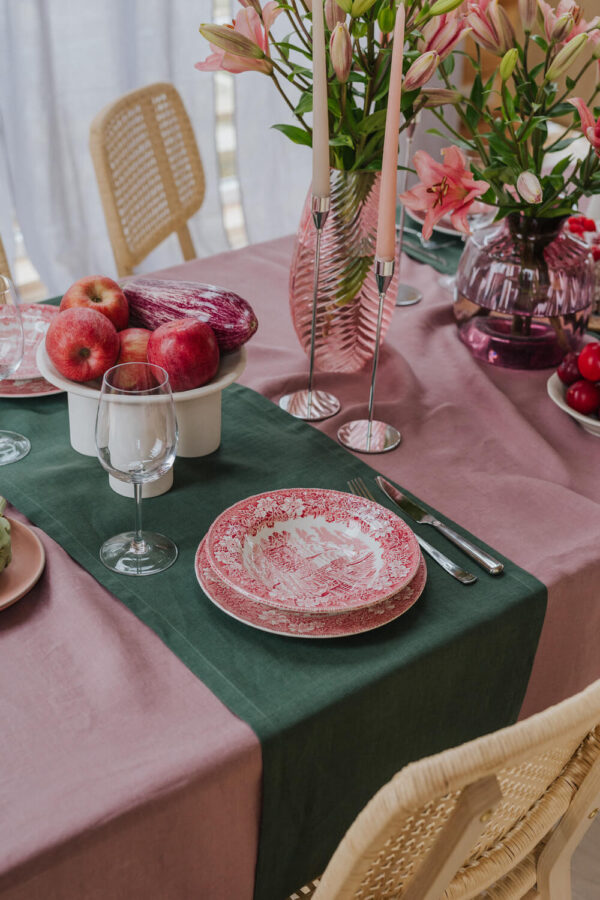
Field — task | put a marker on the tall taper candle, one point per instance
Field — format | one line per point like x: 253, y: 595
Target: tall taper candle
x: 386, y: 221
x: 320, y: 142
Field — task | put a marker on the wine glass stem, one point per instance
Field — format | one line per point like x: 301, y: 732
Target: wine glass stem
x: 138, y: 545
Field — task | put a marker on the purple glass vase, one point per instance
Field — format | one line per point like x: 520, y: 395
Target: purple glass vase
x: 524, y: 291
x: 348, y: 301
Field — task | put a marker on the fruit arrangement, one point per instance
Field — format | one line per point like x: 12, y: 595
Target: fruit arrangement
x: 184, y: 328
x: 580, y: 373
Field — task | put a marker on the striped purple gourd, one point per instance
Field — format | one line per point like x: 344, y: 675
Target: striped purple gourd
x: 154, y: 301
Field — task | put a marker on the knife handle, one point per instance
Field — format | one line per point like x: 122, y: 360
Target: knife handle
x: 491, y: 565
x: 460, y: 574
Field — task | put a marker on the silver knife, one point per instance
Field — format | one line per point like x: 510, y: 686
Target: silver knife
x: 416, y: 512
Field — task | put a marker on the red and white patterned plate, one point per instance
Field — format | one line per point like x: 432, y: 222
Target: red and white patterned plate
x: 36, y: 319
x: 312, y: 550
x: 32, y: 387
x: 304, y: 624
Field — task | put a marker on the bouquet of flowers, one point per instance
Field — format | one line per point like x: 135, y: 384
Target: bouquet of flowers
x: 359, y: 34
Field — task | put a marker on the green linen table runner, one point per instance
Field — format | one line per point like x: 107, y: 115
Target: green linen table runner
x: 335, y: 718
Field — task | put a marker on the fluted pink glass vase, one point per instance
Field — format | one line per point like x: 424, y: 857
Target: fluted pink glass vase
x: 347, y: 301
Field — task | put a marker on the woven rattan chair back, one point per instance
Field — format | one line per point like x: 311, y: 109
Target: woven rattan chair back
x: 149, y: 172
x: 497, y: 818
x: 4, y: 267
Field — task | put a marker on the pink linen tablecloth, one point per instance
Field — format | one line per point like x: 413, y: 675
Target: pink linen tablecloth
x: 122, y: 776
x: 485, y: 446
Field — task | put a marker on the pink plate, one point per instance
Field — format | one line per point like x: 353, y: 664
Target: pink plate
x: 304, y: 624
x: 32, y: 387
x: 312, y: 550
x: 36, y: 318
x: 28, y: 560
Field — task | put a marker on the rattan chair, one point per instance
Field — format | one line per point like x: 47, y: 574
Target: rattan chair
x: 149, y: 172
x: 497, y: 818
x: 4, y: 266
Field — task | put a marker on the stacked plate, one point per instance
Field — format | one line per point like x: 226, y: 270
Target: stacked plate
x: 310, y: 563
x: 28, y: 381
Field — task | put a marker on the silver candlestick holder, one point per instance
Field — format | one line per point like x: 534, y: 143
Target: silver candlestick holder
x: 407, y: 294
x: 311, y: 405
x: 369, y: 435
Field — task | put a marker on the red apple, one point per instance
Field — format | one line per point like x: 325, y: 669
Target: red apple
x: 82, y: 343
x: 187, y: 349
x: 134, y: 349
x: 100, y: 293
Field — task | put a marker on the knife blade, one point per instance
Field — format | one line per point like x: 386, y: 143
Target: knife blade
x: 491, y: 565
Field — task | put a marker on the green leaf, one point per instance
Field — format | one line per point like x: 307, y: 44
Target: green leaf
x: 541, y: 42
x: 295, y: 134
x: 305, y: 104
x: 334, y: 106
x: 300, y: 70
x: 562, y: 145
x: 374, y: 122
x: 533, y: 74
x: 285, y: 46
x: 447, y: 66
x: 341, y: 140
x: 477, y: 92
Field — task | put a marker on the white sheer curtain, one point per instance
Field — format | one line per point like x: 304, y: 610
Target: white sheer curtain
x: 61, y: 62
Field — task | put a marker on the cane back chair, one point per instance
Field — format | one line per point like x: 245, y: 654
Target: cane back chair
x: 149, y: 172
x: 497, y: 818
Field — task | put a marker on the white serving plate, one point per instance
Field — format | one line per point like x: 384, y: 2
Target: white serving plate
x: 556, y: 392
x: 304, y: 624
x: 312, y: 550
x: 198, y: 411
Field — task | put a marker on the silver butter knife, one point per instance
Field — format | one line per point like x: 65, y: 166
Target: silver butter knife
x: 420, y: 515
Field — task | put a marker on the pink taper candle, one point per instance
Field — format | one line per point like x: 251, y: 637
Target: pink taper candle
x: 320, y: 141
x: 386, y: 222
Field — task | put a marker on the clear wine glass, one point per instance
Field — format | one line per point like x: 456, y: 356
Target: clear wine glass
x: 13, y: 446
x: 136, y: 440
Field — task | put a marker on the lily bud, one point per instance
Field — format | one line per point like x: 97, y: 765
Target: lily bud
x: 444, y: 6
x: 508, y: 63
x: 386, y: 19
x: 565, y: 57
x: 528, y: 10
x: 441, y: 97
x: 502, y: 26
x: 334, y: 14
x: 340, y: 50
x: 346, y: 5
x: 360, y: 7
x: 529, y: 187
x: 421, y: 70
x: 231, y: 41
x: 562, y: 27
x: 596, y: 51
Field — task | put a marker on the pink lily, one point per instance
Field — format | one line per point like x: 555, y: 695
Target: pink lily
x: 490, y: 26
x: 248, y: 26
x: 589, y: 125
x: 442, y: 33
x: 445, y: 189
x: 565, y: 8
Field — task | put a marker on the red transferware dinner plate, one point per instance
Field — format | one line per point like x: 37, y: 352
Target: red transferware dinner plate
x: 28, y: 561
x: 304, y: 624
x: 312, y: 550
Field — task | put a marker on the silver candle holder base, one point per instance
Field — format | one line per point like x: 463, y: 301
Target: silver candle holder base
x: 408, y: 295
x: 311, y: 405
x: 369, y: 435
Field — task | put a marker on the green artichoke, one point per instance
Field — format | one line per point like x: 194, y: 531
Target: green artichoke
x: 5, y: 550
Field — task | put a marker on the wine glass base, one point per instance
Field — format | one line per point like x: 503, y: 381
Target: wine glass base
x: 447, y: 282
x: 408, y: 295
x: 13, y: 447
x: 355, y: 436
x: 156, y: 554
x: 322, y: 405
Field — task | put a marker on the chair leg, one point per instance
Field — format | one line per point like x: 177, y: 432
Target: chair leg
x: 554, y: 863
x: 185, y: 241
x: 457, y: 837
